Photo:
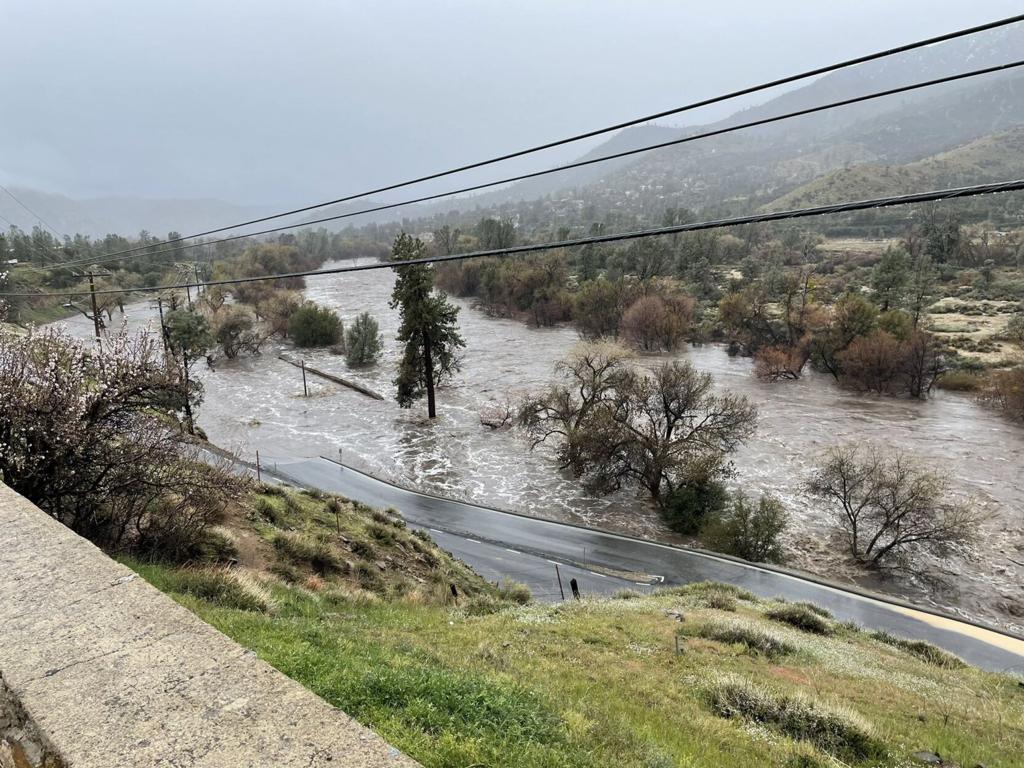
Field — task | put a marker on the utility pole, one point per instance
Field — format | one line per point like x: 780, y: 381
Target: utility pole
x: 95, y: 312
x: 163, y: 328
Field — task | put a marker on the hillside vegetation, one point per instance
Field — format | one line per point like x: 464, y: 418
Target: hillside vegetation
x: 991, y: 158
x: 704, y: 675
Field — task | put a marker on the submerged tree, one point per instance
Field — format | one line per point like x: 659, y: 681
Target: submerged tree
x: 614, y: 424
x: 362, y: 341
x: 889, y: 506
x: 428, y: 327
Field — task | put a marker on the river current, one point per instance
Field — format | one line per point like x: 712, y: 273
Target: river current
x: 257, y: 403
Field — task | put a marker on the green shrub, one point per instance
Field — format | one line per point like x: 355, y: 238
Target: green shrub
x: 837, y: 731
x: 700, y: 589
x: 266, y: 509
x: 686, y: 509
x: 960, y: 381
x: 381, y: 533
x: 368, y: 576
x: 216, y: 547
x: 720, y: 601
x: 626, y: 594
x: 313, y: 326
x: 363, y: 342
x: 363, y: 549
x: 221, y: 587
x: 514, y: 592
x: 484, y: 605
x: 922, y: 650
x: 823, y: 612
x: 801, y: 616
x: 315, y: 552
x: 747, y: 531
x: 754, y: 639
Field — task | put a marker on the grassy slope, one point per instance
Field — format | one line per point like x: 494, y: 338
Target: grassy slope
x: 593, y: 684
x: 992, y: 158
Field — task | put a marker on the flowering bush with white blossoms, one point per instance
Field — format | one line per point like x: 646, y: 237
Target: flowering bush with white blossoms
x: 89, y: 432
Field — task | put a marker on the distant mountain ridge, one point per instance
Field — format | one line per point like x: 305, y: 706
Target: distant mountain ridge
x: 97, y: 217
x: 863, y: 146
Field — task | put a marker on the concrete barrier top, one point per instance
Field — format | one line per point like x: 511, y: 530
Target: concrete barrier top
x: 98, y: 668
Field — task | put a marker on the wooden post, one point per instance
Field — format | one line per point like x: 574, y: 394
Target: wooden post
x: 575, y: 588
x: 259, y: 477
x: 305, y: 390
x: 95, y: 312
x: 560, y: 587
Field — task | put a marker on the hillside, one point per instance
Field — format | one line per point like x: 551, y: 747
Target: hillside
x: 601, y: 682
x: 992, y: 158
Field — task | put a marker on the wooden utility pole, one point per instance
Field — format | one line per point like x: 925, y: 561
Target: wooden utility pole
x: 163, y: 328
x: 95, y: 312
x: 428, y: 375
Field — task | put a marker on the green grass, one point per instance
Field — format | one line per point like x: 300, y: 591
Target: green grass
x: 802, y: 616
x: 922, y: 650
x: 834, y: 731
x: 599, y: 683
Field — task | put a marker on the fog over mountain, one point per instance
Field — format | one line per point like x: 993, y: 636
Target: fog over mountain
x: 180, y: 115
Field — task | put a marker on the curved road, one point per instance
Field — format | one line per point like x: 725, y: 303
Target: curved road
x: 506, y: 545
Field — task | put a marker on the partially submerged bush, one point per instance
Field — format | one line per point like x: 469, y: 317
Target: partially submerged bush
x: 752, y: 638
x: 314, y: 326
x: 801, y: 616
x: 838, y: 731
x: 922, y: 650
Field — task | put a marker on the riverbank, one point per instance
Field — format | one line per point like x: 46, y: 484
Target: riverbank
x: 257, y: 404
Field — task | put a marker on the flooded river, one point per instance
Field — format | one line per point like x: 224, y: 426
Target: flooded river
x: 256, y: 403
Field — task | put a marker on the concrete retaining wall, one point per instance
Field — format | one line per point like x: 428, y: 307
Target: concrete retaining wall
x: 100, y: 669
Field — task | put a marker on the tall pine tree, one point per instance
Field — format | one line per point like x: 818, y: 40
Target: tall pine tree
x: 429, y: 327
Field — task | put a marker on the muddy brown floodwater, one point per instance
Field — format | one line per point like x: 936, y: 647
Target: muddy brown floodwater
x: 256, y: 403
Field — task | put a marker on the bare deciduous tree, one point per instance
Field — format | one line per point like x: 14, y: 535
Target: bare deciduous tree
x: 889, y: 506
x: 616, y: 424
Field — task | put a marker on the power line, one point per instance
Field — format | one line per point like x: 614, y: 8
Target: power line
x: 799, y: 213
x: 581, y: 163
x: 618, y: 126
x: 33, y: 213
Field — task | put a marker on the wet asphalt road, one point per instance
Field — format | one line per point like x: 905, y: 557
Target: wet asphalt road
x: 505, y: 545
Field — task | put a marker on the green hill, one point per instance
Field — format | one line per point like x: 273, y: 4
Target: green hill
x: 702, y: 675
x: 991, y: 158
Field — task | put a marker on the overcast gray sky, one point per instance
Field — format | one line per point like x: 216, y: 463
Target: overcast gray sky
x: 253, y: 101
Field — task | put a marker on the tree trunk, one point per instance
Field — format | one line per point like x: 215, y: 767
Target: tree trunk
x: 428, y: 374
